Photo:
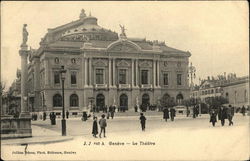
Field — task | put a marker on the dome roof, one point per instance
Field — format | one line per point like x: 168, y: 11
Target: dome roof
x: 89, y: 30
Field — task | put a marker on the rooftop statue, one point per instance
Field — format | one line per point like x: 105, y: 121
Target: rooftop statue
x: 123, y: 30
x: 25, y: 35
x: 82, y: 14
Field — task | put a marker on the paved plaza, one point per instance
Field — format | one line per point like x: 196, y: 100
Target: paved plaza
x: 183, y: 139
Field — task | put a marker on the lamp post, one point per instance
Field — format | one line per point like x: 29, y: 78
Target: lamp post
x: 191, y: 75
x: 63, y: 72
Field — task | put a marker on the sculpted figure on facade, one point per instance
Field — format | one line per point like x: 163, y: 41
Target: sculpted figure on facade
x: 122, y: 30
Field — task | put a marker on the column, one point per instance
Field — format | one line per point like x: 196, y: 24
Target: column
x: 110, y: 78
x: 90, y: 71
x: 154, y: 73
x: 46, y: 61
x: 85, y: 72
x: 132, y: 73
x: 158, y: 73
x: 136, y: 72
x: 113, y: 72
x: 37, y: 103
x: 24, y: 75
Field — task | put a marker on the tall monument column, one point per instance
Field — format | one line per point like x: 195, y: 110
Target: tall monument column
x: 24, y: 74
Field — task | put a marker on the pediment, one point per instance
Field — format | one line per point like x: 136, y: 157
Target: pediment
x: 145, y: 64
x: 123, y: 46
x: 100, y: 62
x: 123, y: 63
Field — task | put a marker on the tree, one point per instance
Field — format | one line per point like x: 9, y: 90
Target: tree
x: 216, y: 102
x: 168, y: 102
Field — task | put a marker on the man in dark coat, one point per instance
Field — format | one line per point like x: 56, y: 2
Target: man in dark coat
x: 67, y: 114
x: 213, y: 117
x: 194, y: 112
x: 112, y: 111
x: 243, y: 110
x: 222, y: 115
x: 50, y: 117
x: 165, y: 114
x: 44, y: 116
x: 143, y: 121
x: 53, y: 118
x: 136, y: 108
x: 230, y: 114
x: 95, y: 127
x: 172, y: 113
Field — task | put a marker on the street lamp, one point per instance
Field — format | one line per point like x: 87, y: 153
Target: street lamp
x: 63, y: 72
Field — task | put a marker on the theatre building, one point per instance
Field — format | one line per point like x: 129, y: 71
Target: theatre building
x: 105, y: 67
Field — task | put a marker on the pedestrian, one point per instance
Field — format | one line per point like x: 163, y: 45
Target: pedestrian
x: 222, y: 115
x: 172, y: 113
x: 230, y: 114
x: 53, y: 118
x: 44, y: 116
x: 136, y: 108
x: 243, y: 110
x: 95, y: 127
x: 213, y: 117
x: 143, y: 121
x: 85, y: 116
x: 165, y: 114
x: 103, y: 125
x: 112, y: 112
x: 194, y: 112
x: 50, y: 117
x: 188, y: 111
x: 67, y: 114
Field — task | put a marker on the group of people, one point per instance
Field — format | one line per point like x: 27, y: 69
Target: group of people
x: 103, y: 124
x: 166, y: 113
x: 223, y: 113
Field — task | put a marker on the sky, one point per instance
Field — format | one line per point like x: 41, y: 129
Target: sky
x: 216, y: 33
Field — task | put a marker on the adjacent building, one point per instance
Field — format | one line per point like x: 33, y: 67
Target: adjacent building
x: 234, y: 89
x: 104, y: 67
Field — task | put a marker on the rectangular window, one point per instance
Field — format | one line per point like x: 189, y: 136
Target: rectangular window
x: 122, y: 76
x: 165, y: 79
x: 73, y: 78
x: 144, y: 77
x: 99, y: 76
x: 57, y: 78
x: 178, y: 79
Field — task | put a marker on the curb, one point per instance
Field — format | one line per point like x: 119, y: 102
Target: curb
x: 41, y: 141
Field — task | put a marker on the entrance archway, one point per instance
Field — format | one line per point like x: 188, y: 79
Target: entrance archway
x: 100, y: 101
x: 179, y: 99
x: 124, y: 101
x: 145, y: 99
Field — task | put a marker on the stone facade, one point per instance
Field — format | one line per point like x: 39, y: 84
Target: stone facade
x: 100, y: 64
x: 234, y: 89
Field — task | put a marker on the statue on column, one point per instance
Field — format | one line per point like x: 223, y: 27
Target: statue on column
x: 25, y: 35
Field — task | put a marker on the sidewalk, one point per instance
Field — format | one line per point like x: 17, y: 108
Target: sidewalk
x: 39, y: 136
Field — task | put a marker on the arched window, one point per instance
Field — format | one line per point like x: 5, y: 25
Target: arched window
x: 74, y: 100
x: 145, y: 99
x: 124, y: 101
x: 57, y: 100
x: 166, y: 96
x: 100, y: 100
